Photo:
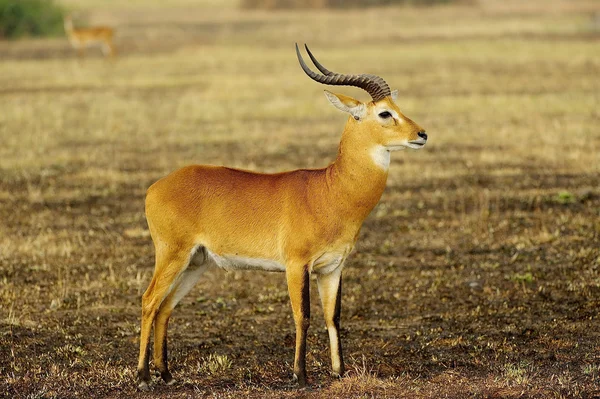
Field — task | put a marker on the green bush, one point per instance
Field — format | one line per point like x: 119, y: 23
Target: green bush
x: 30, y: 18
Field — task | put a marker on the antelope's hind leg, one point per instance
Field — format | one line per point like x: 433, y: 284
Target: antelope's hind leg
x: 169, y: 266
x: 185, y: 283
x: 108, y: 49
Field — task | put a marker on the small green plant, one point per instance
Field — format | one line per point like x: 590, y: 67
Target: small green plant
x: 214, y: 364
x: 20, y: 18
x: 71, y: 350
x: 591, y: 369
x: 526, y: 277
x: 516, y: 374
x: 565, y: 197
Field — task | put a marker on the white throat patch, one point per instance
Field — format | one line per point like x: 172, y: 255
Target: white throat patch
x: 381, y: 157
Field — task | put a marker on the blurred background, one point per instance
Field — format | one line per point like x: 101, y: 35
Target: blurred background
x: 477, y: 273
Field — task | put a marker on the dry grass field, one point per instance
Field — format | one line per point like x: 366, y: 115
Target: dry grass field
x: 477, y: 275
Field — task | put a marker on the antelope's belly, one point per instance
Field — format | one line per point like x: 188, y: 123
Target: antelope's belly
x: 329, y: 261
x: 235, y: 262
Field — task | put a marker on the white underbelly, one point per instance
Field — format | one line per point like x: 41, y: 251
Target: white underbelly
x: 234, y: 262
x: 86, y: 43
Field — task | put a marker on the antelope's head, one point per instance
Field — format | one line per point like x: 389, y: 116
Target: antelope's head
x: 68, y: 22
x: 381, y: 118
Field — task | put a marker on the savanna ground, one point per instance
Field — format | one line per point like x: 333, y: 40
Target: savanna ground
x: 477, y: 275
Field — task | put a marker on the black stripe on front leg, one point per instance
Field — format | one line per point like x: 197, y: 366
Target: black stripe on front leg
x: 165, y: 374
x: 305, y: 323
x: 336, y: 321
x: 306, y: 295
x: 143, y: 374
x: 338, y: 306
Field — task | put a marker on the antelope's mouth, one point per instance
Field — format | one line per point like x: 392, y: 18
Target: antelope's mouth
x: 416, y: 144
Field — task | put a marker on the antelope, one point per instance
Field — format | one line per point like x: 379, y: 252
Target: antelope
x: 300, y: 222
x: 81, y: 38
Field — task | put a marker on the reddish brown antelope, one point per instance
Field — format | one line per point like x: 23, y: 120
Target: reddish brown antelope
x: 82, y: 38
x: 298, y: 222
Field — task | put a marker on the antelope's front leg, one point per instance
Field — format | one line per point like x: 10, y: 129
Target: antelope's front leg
x: 330, y: 291
x: 298, y: 280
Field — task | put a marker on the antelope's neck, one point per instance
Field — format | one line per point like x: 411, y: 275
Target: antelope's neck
x: 358, y: 176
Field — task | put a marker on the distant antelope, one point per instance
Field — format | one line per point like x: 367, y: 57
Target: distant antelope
x: 81, y: 38
x: 298, y: 222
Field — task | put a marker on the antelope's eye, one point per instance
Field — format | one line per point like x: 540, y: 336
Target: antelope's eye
x: 385, y: 115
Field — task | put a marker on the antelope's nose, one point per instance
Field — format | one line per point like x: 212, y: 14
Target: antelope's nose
x: 422, y: 135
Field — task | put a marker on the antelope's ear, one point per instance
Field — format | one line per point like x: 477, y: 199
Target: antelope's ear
x: 394, y: 95
x: 347, y: 104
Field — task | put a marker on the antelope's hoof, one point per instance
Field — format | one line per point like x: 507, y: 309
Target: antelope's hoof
x: 143, y: 378
x: 143, y: 386
x: 338, y: 373
x: 167, y: 378
x: 301, y: 381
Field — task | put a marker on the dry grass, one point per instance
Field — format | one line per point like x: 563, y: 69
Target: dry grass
x: 478, y: 275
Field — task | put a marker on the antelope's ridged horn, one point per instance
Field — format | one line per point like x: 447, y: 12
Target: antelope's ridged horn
x: 372, y: 84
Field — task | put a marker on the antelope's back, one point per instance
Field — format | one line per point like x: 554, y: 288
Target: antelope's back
x: 230, y: 210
